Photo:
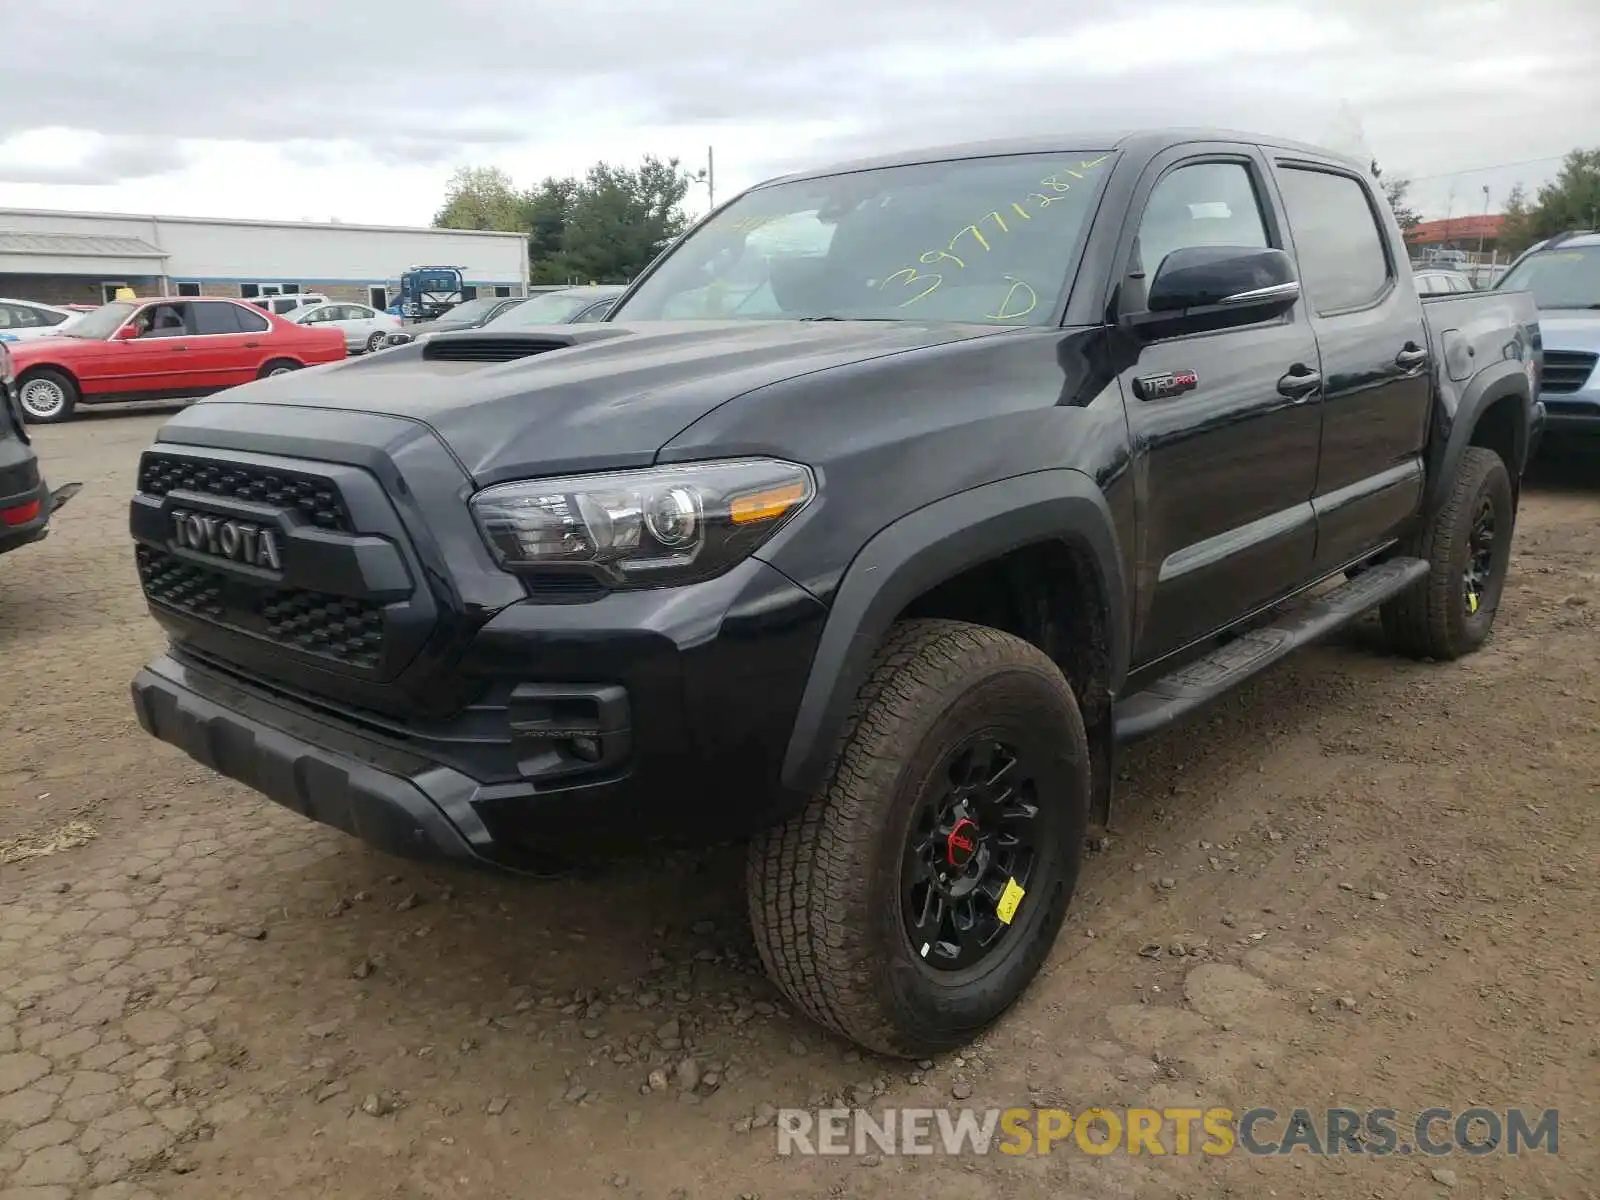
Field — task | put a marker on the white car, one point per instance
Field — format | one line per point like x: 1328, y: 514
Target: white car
x: 24, y: 320
x: 364, y: 328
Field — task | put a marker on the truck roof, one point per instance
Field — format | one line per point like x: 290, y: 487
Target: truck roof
x: 1149, y: 141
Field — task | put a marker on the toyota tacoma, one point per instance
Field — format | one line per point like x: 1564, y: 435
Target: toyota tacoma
x: 884, y: 507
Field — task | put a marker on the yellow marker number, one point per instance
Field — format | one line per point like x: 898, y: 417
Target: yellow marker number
x: 1009, y: 899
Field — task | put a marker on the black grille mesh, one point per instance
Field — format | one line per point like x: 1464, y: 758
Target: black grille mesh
x: 316, y: 498
x: 334, y: 627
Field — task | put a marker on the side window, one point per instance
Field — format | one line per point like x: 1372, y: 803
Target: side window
x: 1204, y: 204
x: 165, y: 320
x: 249, y: 320
x: 1337, y: 238
x: 213, y: 318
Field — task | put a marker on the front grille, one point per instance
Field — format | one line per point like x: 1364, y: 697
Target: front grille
x: 1567, y: 370
x: 332, y: 627
x: 317, y: 498
x: 492, y: 349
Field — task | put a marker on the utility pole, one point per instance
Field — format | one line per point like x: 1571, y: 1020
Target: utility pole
x: 1481, y: 228
x: 708, y: 176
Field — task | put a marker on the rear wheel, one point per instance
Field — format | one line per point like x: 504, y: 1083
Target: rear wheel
x: 278, y: 366
x: 47, y: 396
x: 916, y: 896
x: 375, y: 341
x: 1468, y: 544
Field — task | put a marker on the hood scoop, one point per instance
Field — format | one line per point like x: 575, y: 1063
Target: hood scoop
x: 489, y: 347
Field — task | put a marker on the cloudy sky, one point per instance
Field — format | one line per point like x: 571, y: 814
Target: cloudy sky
x: 359, y: 111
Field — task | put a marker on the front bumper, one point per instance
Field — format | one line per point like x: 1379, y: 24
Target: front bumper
x: 685, y: 697
x: 396, y: 801
x: 1572, y: 414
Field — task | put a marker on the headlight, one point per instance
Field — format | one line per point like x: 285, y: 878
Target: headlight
x: 661, y: 525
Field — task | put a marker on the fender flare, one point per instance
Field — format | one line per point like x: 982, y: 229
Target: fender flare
x: 1491, y: 385
x: 925, y: 548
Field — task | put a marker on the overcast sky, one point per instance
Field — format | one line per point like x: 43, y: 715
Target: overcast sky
x: 359, y: 111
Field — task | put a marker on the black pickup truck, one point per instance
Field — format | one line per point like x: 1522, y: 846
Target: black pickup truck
x: 26, y: 502
x: 885, y: 505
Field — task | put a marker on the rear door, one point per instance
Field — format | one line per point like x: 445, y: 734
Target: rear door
x: 1375, y: 365
x: 1228, y: 462
x: 227, y: 345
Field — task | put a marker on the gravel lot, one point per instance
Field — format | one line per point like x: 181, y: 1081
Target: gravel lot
x: 1362, y: 881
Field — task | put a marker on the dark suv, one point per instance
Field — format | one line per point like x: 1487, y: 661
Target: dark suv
x: 26, y: 503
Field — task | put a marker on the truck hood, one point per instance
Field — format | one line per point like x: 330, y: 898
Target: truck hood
x: 1570, y: 329
x: 584, y: 397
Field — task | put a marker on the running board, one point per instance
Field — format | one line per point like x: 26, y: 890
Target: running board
x: 1202, y: 681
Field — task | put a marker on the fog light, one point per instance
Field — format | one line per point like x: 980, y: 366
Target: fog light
x: 585, y: 747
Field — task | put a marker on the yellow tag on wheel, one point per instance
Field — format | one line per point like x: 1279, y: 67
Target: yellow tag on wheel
x: 1472, y: 602
x: 1009, y: 899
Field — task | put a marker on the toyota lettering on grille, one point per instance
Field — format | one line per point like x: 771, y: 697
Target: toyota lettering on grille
x: 236, y: 541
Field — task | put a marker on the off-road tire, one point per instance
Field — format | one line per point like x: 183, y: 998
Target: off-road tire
x: 67, y: 387
x: 1433, y: 620
x: 824, y: 889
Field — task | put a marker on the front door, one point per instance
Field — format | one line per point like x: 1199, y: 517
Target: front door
x: 155, y: 362
x: 1225, y: 423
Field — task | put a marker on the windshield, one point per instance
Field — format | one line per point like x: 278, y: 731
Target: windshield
x: 472, y: 310
x: 987, y: 240
x: 101, y: 323
x: 1558, y: 278
x: 553, y: 308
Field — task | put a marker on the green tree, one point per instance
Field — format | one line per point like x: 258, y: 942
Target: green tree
x: 1516, y: 231
x: 1394, y: 191
x: 549, y: 206
x: 620, y: 218
x: 482, y: 198
x: 1572, y: 199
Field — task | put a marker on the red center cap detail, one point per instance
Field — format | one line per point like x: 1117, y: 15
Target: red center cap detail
x: 962, y: 844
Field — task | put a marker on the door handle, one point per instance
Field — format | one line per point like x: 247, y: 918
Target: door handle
x: 1411, y: 356
x: 251, y: 345
x: 1300, y: 383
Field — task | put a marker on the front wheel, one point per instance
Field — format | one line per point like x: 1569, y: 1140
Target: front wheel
x: 47, y: 396
x: 916, y: 896
x: 1468, y: 544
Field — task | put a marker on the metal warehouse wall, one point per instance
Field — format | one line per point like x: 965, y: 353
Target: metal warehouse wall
x: 310, y: 255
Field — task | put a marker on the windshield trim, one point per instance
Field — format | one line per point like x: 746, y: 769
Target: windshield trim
x: 1112, y: 156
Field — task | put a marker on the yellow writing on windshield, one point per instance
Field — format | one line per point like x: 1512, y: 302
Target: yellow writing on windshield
x: 979, y: 238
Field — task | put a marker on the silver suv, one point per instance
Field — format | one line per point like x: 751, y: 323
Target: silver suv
x: 1563, y: 274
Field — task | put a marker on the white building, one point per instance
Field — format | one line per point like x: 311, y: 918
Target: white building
x: 83, y: 258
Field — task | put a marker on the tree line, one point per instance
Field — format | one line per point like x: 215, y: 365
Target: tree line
x: 604, y: 226
x: 1569, y: 201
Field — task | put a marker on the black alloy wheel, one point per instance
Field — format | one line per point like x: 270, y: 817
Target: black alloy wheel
x: 972, y: 854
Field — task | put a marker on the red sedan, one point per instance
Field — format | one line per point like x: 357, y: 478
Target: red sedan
x: 160, y: 350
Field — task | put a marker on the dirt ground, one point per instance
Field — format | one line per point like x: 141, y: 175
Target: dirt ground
x: 1361, y: 882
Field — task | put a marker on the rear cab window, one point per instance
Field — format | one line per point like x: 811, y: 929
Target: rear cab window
x: 1341, y: 248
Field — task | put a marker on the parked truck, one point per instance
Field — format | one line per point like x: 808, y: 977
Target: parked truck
x: 876, y: 558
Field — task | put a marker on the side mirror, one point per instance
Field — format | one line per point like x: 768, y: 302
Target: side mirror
x: 125, y: 333
x: 1247, y: 280
x: 398, y: 338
